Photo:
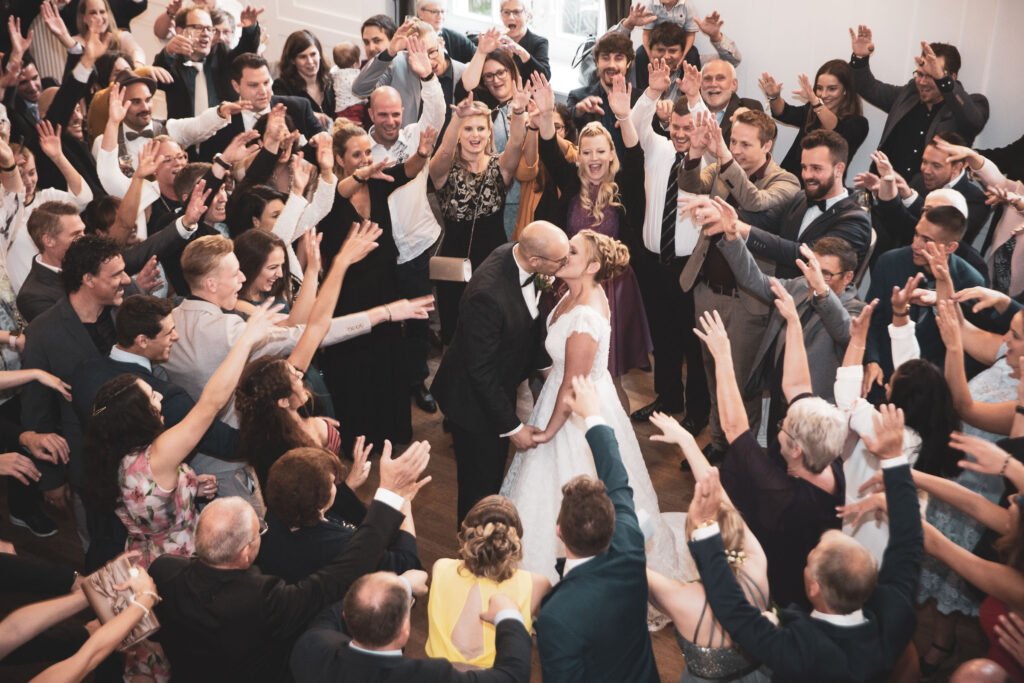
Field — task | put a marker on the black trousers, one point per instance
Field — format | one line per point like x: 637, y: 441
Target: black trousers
x: 414, y: 281
x: 670, y: 312
x: 480, y: 465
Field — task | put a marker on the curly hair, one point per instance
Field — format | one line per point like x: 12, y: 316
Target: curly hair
x: 490, y: 541
x: 611, y: 254
x: 123, y: 421
x: 299, y: 485
x: 253, y: 248
x: 265, y: 429
x: 85, y: 256
x: 608, y: 191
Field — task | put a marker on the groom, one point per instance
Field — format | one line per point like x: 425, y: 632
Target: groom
x: 499, y: 339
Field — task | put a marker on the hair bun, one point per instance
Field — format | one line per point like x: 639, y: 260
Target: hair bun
x: 612, y: 254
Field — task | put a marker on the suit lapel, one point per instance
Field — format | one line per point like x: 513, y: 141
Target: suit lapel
x: 75, y: 327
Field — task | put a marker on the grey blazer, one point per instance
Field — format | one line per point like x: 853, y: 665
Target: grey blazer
x: 385, y: 70
x: 826, y: 329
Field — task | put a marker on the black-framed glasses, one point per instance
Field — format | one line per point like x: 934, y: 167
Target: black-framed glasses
x: 199, y: 28
x: 828, y: 275
x: 782, y: 430
x: 263, y: 527
x: 512, y: 12
x: 498, y: 75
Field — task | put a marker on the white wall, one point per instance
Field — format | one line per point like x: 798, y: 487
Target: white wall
x: 783, y: 37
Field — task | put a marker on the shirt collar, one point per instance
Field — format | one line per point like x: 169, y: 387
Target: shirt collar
x: 829, y: 203
x: 852, y: 619
x: 759, y: 173
x: 522, y: 273
x: 119, y: 354
x: 383, y: 653
x: 956, y: 180
x: 574, y: 562
x: 39, y: 259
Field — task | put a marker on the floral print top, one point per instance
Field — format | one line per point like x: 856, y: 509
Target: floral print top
x: 466, y: 193
x: 158, y: 521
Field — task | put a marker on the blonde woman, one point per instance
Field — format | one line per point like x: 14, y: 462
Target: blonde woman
x: 490, y: 550
x: 94, y: 17
x: 472, y: 182
x: 601, y: 194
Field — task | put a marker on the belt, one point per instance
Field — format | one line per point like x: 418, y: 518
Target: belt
x: 723, y: 290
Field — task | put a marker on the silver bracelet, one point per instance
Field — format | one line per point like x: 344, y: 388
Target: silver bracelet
x: 388, y: 309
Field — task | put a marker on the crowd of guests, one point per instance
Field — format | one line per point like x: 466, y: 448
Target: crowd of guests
x: 200, y: 360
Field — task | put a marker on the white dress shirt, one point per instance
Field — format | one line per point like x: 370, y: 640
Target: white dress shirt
x: 186, y: 132
x: 813, y: 212
x: 119, y: 354
x: 953, y: 181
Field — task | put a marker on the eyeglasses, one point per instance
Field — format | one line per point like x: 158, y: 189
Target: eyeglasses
x: 560, y: 261
x: 827, y: 276
x: 199, y: 28
x: 781, y: 429
x: 512, y: 12
x: 498, y: 75
x: 263, y: 527
x: 434, y: 12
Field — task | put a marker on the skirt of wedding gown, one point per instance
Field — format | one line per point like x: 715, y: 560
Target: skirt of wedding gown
x: 535, y: 478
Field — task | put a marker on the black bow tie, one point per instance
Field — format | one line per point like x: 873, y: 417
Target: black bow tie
x: 132, y: 135
x: 560, y: 566
x: 819, y: 204
x: 530, y: 278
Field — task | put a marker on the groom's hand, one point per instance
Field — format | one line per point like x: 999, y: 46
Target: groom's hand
x: 523, y: 439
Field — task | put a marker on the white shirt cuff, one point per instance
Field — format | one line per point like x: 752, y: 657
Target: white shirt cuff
x: 849, y: 371
x: 80, y: 73
x: 514, y: 431
x: 184, y: 232
x: 701, y: 533
x: 389, y: 498
x: 408, y: 586
x: 911, y: 199
x: 509, y: 614
x: 594, y: 420
x: 894, y: 462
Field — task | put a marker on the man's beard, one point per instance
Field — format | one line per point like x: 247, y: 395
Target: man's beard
x: 822, y: 191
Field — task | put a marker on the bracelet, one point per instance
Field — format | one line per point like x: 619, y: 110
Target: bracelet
x: 513, y: 112
x: 388, y: 309
x: 219, y: 160
x: 1019, y: 409
x: 422, y: 156
x: 532, y: 128
x: 358, y: 179
x: 771, y: 98
x: 156, y: 598
x: 8, y: 169
x: 904, y: 314
x: 617, y: 118
x: 145, y: 609
x: 856, y: 346
x: 1006, y: 463
x: 819, y: 104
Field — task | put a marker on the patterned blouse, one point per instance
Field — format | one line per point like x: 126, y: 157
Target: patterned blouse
x: 466, y: 193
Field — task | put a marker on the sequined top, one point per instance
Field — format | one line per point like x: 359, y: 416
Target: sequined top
x: 722, y: 662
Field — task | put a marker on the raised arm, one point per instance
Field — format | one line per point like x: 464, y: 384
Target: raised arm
x: 509, y: 159
x: 619, y: 101
x: 731, y: 412
x: 174, y: 445
x: 488, y: 43
x: 50, y: 143
x: 796, y: 373
x: 441, y: 162
x: 998, y: 580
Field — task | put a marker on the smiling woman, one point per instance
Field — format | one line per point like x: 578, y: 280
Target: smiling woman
x: 304, y: 73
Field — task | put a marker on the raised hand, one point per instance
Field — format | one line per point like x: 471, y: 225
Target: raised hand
x: 228, y: 109
x: 117, y: 108
x: 806, y: 91
x: 769, y: 85
x: 9, y: 79
x: 716, y: 139
x: 401, y: 37
x: 887, y: 441
x: 663, y: 109
x: 310, y: 246
x: 714, y: 335
x: 638, y: 15
x: 401, y: 475
x: 711, y: 26
x: 302, y: 171
x: 901, y: 296
x: 179, y: 44
x: 947, y: 319
x: 882, y: 163
x: 262, y: 321
x: 543, y: 93
x: 689, y: 84
x: 19, y: 44
x: 489, y: 40
x: 784, y: 302
x: 659, y: 77
x: 520, y: 99
x: 196, y: 206
x: 465, y: 109
x: 671, y: 430
x: 590, y: 105
x: 867, y: 181
x: 148, y: 278
x: 988, y: 457
x: 998, y: 195
x: 428, y: 136
x: 416, y: 55
x: 873, y: 507
x: 49, y: 139
x: 149, y: 159
x: 700, y: 138
x: 811, y: 269
x: 362, y: 239
x: 360, y: 469
x: 412, y: 309
x: 958, y: 153
x: 704, y: 211
x: 984, y: 298
x: 938, y: 263
x: 619, y: 99
x: 861, y: 41
x: 707, y: 498
x: 241, y: 146
x: 250, y: 15
x: 929, y: 63
x: 276, y: 127
x: 861, y: 324
x: 374, y: 170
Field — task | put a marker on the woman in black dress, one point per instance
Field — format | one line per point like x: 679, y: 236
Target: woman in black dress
x: 832, y: 104
x: 472, y: 181
x: 364, y: 374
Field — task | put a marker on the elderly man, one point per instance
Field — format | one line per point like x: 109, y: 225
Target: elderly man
x: 456, y: 44
x: 716, y: 92
x: 223, y: 620
x: 862, y: 618
x: 363, y: 638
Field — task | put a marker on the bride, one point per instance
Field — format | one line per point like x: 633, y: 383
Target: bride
x: 577, y: 341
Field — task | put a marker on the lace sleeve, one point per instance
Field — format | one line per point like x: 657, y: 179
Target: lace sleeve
x: 586, y: 320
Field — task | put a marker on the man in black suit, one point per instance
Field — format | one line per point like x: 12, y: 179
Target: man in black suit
x: 376, y: 617
x: 250, y: 79
x: 863, y: 619
x: 592, y: 625
x: 77, y: 328
x: 613, y: 55
x: 933, y: 100
x: 221, y: 619
x: 192, y: 49
x: 497, y: 342
x: 145, y: 334
x: 823, y: 208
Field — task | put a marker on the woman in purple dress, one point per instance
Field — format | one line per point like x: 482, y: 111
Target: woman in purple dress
x: 601, y: 194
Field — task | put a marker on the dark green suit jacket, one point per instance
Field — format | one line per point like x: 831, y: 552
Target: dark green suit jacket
x: 593, y: 624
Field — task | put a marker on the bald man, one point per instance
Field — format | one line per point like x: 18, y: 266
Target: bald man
x: 498, y: 341
x: 413, y: 224
x: 979, y: 671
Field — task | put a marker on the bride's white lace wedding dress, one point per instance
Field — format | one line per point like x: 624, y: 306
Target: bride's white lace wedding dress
x: 534, y: 481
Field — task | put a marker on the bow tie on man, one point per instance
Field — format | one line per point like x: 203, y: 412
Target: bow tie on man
x: 131, y: 135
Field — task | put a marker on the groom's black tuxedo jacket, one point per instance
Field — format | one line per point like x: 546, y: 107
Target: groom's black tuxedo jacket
x: 496, y: 345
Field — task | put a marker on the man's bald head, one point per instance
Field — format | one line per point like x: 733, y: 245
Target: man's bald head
x: 544, y: 247
x: 376, y: 611
x: 845, y: 572
x: 386, y: 114
x: 979, y: 671
x: 226, y: 528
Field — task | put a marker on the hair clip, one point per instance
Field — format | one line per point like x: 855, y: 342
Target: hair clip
x: 736, y: 557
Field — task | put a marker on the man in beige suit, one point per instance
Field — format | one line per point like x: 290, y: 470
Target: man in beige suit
x: 747, y: 177
x: 207, y: 331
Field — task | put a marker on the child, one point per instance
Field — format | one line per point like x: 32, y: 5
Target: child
x: 344, y: 72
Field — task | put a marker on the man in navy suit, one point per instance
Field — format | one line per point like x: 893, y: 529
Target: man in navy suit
x: 144, y: 336
x: 251, y: 80
x: 592, y: 626
x: 863, y: 619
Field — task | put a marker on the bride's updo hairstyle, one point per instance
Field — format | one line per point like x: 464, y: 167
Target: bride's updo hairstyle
x: 490, y: 544
x: 611, y: 254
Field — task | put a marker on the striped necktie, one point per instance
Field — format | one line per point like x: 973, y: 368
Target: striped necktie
x: 668, y: 219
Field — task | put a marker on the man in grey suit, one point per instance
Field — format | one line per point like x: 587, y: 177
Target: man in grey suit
x: 748, y: 178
